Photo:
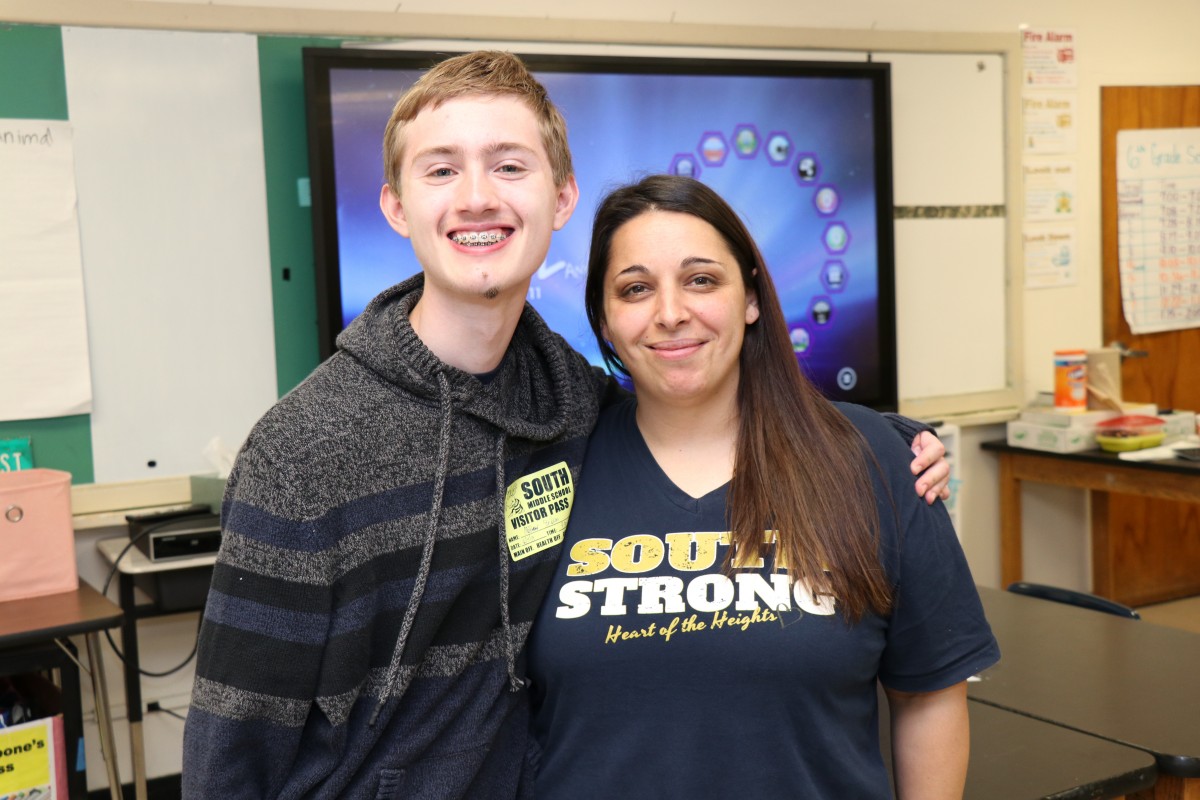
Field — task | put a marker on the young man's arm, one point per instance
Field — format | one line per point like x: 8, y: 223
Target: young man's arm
x: 929, y: 465
x: 930, y: 742
x: 259, y: 654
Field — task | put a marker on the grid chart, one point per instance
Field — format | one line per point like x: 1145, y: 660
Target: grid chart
x: 1158, y: 230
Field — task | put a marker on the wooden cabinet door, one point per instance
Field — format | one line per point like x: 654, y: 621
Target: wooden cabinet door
x: 1154, y: 544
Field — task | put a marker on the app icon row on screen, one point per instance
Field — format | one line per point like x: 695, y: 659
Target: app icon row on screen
x: 746, y: 142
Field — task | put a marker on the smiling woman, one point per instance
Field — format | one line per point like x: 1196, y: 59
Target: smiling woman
x: 678, y: 270
x: 736, y: 551
x: 676, y: 309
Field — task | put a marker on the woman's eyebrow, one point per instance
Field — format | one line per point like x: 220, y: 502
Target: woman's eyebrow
x: 633, y: 269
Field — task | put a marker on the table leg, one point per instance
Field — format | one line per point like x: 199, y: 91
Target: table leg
x: 1102, y: 555
x: 1170, y: 787
x: 138, y: 744
x: 68, y: 673
x: 1011, y: 566
x: 133, y: 686
x: 103, y: 715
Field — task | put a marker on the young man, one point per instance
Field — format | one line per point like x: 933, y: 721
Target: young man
x: 391, y: 525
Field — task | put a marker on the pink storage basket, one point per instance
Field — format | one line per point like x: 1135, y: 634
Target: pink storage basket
x: 37, y: 538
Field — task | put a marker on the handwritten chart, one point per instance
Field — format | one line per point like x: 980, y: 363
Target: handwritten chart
x: 44, y: 366
x: 1158, y: 227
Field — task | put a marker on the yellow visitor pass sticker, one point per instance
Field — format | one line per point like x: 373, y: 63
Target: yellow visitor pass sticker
x: 536, y: 509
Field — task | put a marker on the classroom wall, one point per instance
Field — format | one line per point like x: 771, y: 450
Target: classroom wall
x: 1117, y: 43
x: 1148, y: 43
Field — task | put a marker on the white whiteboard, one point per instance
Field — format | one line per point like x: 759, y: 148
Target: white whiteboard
x: 172, y: 209
x: 951, y: 281
x: 947, y: 128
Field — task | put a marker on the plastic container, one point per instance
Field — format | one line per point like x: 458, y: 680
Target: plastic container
x: 1070, y: 380
x: 37, y: 538
x: 1132, y: 432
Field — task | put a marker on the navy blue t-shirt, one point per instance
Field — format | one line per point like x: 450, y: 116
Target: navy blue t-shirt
x: 656, y: 675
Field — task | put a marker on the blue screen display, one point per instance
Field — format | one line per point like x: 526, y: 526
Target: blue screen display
x: 803, y: 155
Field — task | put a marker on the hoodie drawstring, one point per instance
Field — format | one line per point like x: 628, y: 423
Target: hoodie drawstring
x: 435, y: 513
x: 515, y: 684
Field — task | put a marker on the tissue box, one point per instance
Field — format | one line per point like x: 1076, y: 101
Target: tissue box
x: 1081, y: 419
x: 208, y: 490
x: 37, y: 538
x: 1179, y: 424
x: 1050, y: 438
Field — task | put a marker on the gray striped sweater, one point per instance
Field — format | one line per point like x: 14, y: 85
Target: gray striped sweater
x: 363, y: 629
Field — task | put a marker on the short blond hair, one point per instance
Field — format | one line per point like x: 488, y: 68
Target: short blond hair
x: 489, y: 73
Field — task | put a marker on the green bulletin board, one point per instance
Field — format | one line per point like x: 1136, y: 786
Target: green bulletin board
x: 33, y: 86
x: 289, y: 223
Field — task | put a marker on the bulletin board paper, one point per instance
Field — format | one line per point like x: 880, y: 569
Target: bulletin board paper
x: 1158, y: 228
x: 44, y: 369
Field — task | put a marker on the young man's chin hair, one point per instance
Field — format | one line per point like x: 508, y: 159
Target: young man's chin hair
x: 491, y: 293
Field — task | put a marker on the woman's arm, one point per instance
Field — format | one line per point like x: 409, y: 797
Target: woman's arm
x: 930, y: 742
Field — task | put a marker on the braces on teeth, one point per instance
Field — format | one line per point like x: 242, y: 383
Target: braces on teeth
x: 477, y: 239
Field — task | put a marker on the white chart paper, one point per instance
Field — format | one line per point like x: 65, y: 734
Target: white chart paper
x: 44, y: 369
x: 1158, y: 227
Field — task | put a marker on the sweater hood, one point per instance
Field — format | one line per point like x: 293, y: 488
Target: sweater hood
x: 530, y: 398
x: 527, y: 399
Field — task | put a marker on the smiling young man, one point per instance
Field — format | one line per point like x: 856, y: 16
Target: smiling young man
x: 391, y: 525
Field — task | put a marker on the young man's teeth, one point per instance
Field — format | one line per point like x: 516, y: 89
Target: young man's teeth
x: 478, y: 238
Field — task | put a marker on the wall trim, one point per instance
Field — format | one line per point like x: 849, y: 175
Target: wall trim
x: 386, y: 25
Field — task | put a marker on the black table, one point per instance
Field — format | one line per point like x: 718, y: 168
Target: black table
x: 1014, y: 757
x: 1127, y: 681
x: 28, y: 630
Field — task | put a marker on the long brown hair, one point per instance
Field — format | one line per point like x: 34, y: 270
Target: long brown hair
x: 800, y: 467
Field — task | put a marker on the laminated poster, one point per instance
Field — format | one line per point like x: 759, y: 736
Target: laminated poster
x: 1050, y: 256
x: 1048, y: 59
x: 1049, y: 190
x: 1049, y: 122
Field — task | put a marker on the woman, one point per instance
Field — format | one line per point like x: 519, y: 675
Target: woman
x: 684, y: 649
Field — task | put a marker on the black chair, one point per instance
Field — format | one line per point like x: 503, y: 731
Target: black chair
x: 1074, y: 598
